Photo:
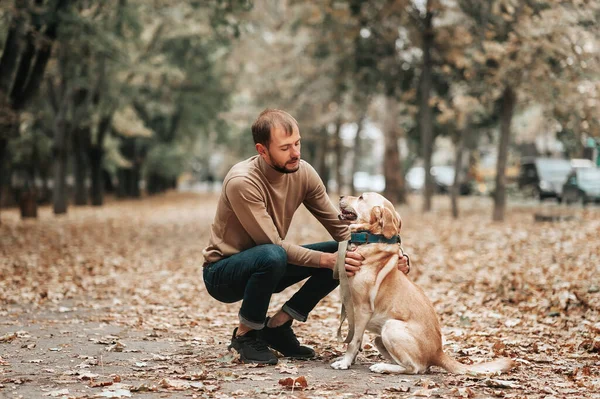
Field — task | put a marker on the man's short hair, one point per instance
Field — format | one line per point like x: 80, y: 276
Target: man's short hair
x: 268, y: 119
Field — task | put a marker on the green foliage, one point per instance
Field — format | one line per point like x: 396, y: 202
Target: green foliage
x: 113, y: 159
x: 223, y: 17
x: 165, y: 160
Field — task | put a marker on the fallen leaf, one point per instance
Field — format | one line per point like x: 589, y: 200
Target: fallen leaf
x: 287, y: 369
x: 425, y: 393
x: 178, y: 385
x: 105, y: 383
x: 463, y: 392
x: 494, y: 383
x: 54, y: 394
x: 290, y: 383
x: 145, y: 388
x: 400, y: 388
x: 87, y: 375
x: 116, y: 347
x: 8, y: 337
x: 119, y: 393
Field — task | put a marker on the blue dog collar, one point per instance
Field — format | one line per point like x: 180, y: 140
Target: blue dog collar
x: 368, y: 238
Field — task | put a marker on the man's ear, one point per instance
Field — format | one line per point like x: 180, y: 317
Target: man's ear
x: 390, y: 223
x: 261, y: 149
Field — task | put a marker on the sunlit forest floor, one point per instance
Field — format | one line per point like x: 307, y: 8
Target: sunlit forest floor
x: 109, y: 302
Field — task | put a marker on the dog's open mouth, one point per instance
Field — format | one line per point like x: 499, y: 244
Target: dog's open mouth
x: 347, y: 215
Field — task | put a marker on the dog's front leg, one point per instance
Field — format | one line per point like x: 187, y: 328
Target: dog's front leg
x: 362, y: 316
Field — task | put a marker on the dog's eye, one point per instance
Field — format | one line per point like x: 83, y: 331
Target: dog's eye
x: 360, y: 197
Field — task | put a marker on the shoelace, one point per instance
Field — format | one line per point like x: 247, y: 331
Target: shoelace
x: 257, y: 344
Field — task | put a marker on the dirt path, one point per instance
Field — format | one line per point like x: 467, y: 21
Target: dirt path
x: 109, y: 302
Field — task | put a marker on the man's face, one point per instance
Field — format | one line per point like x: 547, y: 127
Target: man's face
x: 283, y: 152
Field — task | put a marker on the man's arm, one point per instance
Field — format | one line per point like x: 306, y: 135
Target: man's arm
x: 249, y: 206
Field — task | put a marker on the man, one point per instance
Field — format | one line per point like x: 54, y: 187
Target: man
x: 248, y: 258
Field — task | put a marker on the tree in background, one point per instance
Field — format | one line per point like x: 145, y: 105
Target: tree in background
x: 108, y: 55
x: 527, y: 50
x: 27, y: 48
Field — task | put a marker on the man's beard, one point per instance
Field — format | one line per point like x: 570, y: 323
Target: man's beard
x: 282, y: 168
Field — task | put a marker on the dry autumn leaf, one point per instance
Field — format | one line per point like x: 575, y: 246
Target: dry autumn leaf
x: 94, y: 383
x: 291, y: 383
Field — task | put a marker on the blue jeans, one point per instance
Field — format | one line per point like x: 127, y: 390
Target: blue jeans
x: 255, y: 274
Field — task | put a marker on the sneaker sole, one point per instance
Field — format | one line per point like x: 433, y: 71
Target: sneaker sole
x: 245, y: 360
x: 298, y: 357
x: 302, y: 357
x: 248, y: 361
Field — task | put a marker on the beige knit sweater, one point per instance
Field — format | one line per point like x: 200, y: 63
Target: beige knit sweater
x: 256, y: 207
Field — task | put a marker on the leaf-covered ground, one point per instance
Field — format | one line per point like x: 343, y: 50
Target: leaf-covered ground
x: 109, y: 302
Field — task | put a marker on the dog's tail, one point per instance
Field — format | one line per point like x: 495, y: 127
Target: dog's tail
x: 495, y: 366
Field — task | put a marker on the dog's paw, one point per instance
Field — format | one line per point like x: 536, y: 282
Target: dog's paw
x: 380, y: 368
x: 340, y: 364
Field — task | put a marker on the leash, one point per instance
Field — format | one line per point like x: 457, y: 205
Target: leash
x: 339, y: 272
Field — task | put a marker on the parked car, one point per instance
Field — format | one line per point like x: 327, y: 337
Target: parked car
x: 443, y: 177
x: 582, y: 185
x: 582, y: 163
x: 543, y: 177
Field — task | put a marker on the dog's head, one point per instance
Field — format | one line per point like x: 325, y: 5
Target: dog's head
x: 371, y: 212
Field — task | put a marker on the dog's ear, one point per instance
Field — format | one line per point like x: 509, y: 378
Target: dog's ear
x: 390, y: 223
x: 375, y: 216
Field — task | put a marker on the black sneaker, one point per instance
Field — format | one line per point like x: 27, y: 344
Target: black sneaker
x: 283, y: 340
x: 252, y: 349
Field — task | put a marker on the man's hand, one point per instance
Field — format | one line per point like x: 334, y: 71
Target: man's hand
x: 403, y: 263
x: 353, y: 261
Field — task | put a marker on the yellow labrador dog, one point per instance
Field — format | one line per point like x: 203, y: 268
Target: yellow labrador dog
x: 388, y: 303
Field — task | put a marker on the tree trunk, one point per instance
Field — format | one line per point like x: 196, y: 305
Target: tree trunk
x: 134, y: 182
x: 81, y: 147
x: 96, y: 154
x: 122, y: 177
x: 458, y: 175
x: 321, y: 157
x: 59, y: 195
x: 508, y: 104
x: 28, y: 203
x: 3, y: 144
x: 12, y: 48
x: 30, y: 89
x: 45, y: 193
x: 357, y: 150
x: 339, y: 160
x: 129, y: 178
x: 158, y: 184
x: 425, y: 114
x: 29, y: 197
x: 392, y: 167
x: 153, y: 184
